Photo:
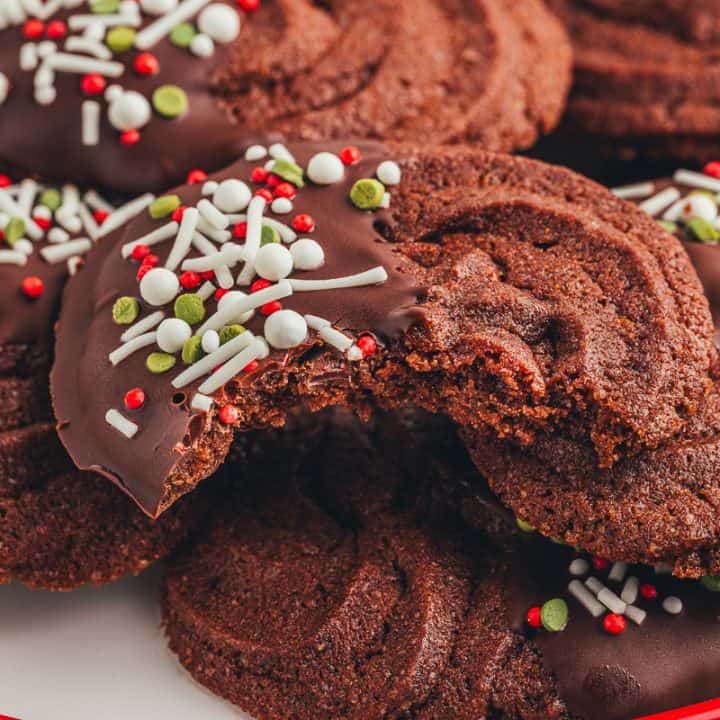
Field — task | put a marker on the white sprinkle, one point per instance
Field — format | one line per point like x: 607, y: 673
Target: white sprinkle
x: 212, y: 214
x: 90, y: 122
x: 28, y: 192
x: 255, y: 152
x: 281, y: 206
x: 287, y: 234
x: 317, y: 323
x: 159, y: 286
x: 273, y: 262
x: 127, y: 427
x: 385, y: 202
x: 183, y: 240
x: 12, y: 257
x: 674, y: 212
x: 45, y: 95
x: 9, y: 206
x: 635, y: 614
x: 113, y: 92
x: 28, y: 57
x: 307, y: 254
x: 206, y: 290
x: 579, y: 567
x: 125, y: 19
x: 279, y: 152
x: 66, y: 62
x: 210, y: 341
x: 389, y: 173
x: 4, y: 87
x: 231, y: 368
x: 209, y: 362
x: 143, y: 326
x: 172, y: 334
x: 594, y: 584
x: 46, y: 10
x: 672, y: 605
x: 218, y: 236
x: 220, y: 22
x: 696, y: 180
x: 202, y: 46
x: 131, y: 346
x: 86, y: 45
x: 59, y: 253
x: 88, y: 221
x: 617, y: 572
x: 586, y: 598
x: 201, y: 402
x: 74, y: 264
x: 97, y: 202
x: 629, y: 592
x: 659, y: 202
x: 252, y: 239
x: 24, y: 246
x: 44, y: 77
x: 611, y: 601
x: 663, y: 568
x: 124, y: 213
x: 699, y: 205
x: 129, y: 111
x: 46, y: 48
x: 209, y: 187
x: 58, y: 235
x: 334, y: 337
x: 14, y: 12
x: 153, y: 238
x: 285, y: 329
x: 355, y: 354
x: 325, y: 168
x: 222, y: 271
x: 157, y: 30
x: 635, y: 191
x: 374, y: 276
x: 158, y: 7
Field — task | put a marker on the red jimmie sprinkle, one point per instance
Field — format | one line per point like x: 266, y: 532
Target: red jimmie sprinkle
x: 196, y: 176
x: 56, y: 30
x: 533, y: 617
x: 100, y: 216
x: 33, y: 29
x: 286, y: 190
x: 134, y: 398
x: 130, y: 137
x: 350, y: 155
x: 93, y: 84
x: 614, y: 624
x: 304, y: 223
x: 249, y: 5
x: 712, y: 169
x: 259, y: 175
x: 367, y: 344
x: 146, y: 64
x: 178, y: 213
x: 240, y: 230
x: 600, y: 563
x: 189, y: 280
x: 271, y: 307
x: 264, y: 193
x: 648, y: 591
x: 229, y: 415
x: 140, y: 252
x: 32, y: 287
x: 260, y: 284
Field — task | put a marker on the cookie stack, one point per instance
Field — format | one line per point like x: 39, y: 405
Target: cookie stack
x: 423, y: 430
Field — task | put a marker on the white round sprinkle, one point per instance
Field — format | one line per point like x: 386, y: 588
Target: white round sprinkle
x: 45, y: 95
x: 579, y: 566
x: 672, y: 605
x: 255, y: 152
x: 220, y: 22
x: 113, y: 93
x: 129, y: 111
x: 285, y: 329
x: 282, y: 206
x: 325, y: 168
x: 307, y: 254
x: 232, y: 196
x: 157, y: 7
x: 210, y: 341
x: 230, y: 297
x: 202, y: 45
x: 4, y: 87
x: 172, y: 334
x: 24, y: 246
x: 388, y: 173
x: 273, y: 262
x: 209, y: 187
x: 699, y: 206
x: 159, y: 286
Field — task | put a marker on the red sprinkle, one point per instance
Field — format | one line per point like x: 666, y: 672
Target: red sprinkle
x: 614, y: 624
x: 140, y: 252
x: 367, y: 344
x: 93, y: 84
x: 249, y: 5
x: 265, y: 193
x: 207, y: 275
x: 189, y: 280
x: 220, y: 292
x: 273, y: 181
x: 100, y: 216
x: 146, y: 64
x: 304, y: 223
x: 260, y: 284
x: 533, y: 617
x: 648, y: 591
x: 33, y: 29
x: 178, y: 213
x: 142, y: 271
x: 196, y: 176
x: 240, y: 230
x: 129, y: 137
x: 56, y: 30
x: 151, y: 260
x: 32, y: 287
x: 712, y: 169
x: 259, y: 175
x: 250, y: 367
x: 600, y: 563
x: 134, y: 399
x: 229, y: 414
x: 43, y: 222
x: 5, y: 181
x: 286, y: 190
x: 350, y: 155
x: 271, y: 307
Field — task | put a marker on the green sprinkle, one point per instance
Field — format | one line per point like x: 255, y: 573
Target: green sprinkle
x: 164, y: 205
x: 290, y: 171
x: 170, y: 101
x: 125, y: 310
x: 524, y: 526
x: 51, y: 199
x: 554, y: 615
x: 269, y: 235
x: 706, y: 193
x: 160, y: 362
x: 104, y: 7
x: 703, y: 231
x: 14, y: 230
x: 667, y: 225
x: 229, y: 332
x: 190, y: 308
x: 711, y: 583
x: 120, y: 39
x: 182, y: 35
x: 367, y: 194
x: 192, y: 350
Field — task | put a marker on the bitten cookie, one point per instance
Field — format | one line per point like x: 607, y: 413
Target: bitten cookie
x: 500, y: 291
x: 60, y: 527
x: 338, y: 581
x: 134, y: 95
x: 645, y: 75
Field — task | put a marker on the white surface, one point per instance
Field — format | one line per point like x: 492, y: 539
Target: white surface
x: 95, y: 654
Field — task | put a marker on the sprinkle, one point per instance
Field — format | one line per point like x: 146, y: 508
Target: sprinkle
x: 202, y: 45
x: 697, y: 180
x: 134, y: 399
x: 600, y: 563
x: 635, y: 614
x: 255, y: 152
x: 287, y: 234
x: 367, y: 194
x: 226, y: 334
x: 206, y: 290
x: 617, y: 572
x: 533, y: 617
x: 253, y: 238
x: 66, y: 62
x: 58, y: 235
x: 229, y: 415
x: 159, y: 286
x: 154, y: 32
x: 201, y: 402
x: 9, y: 206
x: 307, y: 254
x: 190, y: 308
x: 554, y: 615
x: 89, y: 47
x: 121, y: 423
x: 153, y: 238
x: 90, y: 123
x: 711, y: 583
x: 222, y: 272
x: 367, y: 344
x: 60, y: 253
x: 672, y: 605
x: 350, y: 155
x: 4, y: 87
x: 611, y: 601
x: 630, y: 590
x: 125, y: 310
x: 232, y: 367
x: 210, y: 341
x: 355, y: 354
x: 374, y: 276
x: 163, y: 206
x: 614, y: 624
x: 192, y: 350
x: 14, y: 230
x: 183, y: 241
x: 335, y: 338
x: 125, y: 213
x: 585, y: 598
x: 389, y: 173
x: 28, y: 57
x: 218, y: 236
x: 146, y: 64
x: 675, y: 211
x: 635, y: 191
x: 325, y: 168
x: 172, y: 334
x: 74, y: 264
x: 212, y: 215
x: 196, y: 176
x: 12, y: 257
x: 160, y: 362
x: 648, y: 591
x: 659, y: 202
x: 143, y: 326
x: 24, y: 246
x: 96, y: 202
x: 278, y: 151
x: 663, y: 568
x: 182, y: 35
x: 594, y: 584
x: 131, y: 346
x: 285, y: 329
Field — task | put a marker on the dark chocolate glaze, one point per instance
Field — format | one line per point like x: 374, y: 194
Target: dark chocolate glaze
x: 46, y: 139
x: 85, y: 385
x: 669, y: 661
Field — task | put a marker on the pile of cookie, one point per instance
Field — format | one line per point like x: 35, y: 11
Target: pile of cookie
x: 420, y: 428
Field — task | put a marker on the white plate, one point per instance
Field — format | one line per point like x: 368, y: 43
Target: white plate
x: 95, y: 655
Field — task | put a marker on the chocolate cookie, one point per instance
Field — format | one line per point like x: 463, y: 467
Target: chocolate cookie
x: 132, y: 96
x: 645, y: 74
x: 498, y: 290
x: 337, y: 581
x: 60, y: 527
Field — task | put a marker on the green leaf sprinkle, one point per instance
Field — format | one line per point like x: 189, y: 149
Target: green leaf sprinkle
x: 192, y: 350
x: 290, y: 171
x: 160, y: 362
x: 125, y: 310
x: 14, y: 230
x: 190, y: 308
x: 51, y: 199
x: 120, y: 39
x: 104, y: 7
x: 524, y: 526
x: 703, y: 231
x: 163, y: 206
x: 554, y: 615
x: 711, y: 583
x: 229, y: 332
x: 170, y: 101
x: 269, y: 235
x: 181, y: 35
x: 367, y: 194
